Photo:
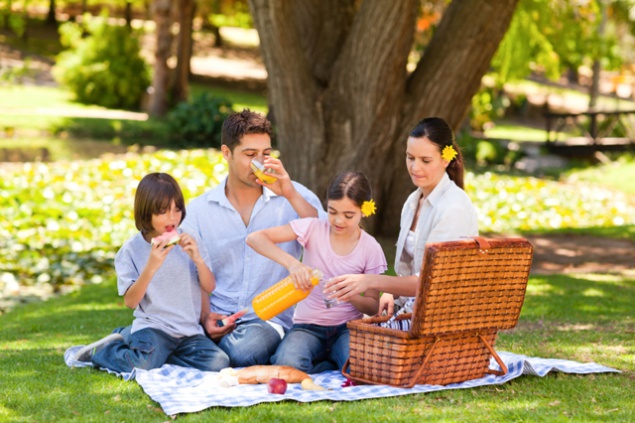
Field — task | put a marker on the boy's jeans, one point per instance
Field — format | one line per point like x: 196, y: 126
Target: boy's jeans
x: 151, y: 348
x: 313, y: 348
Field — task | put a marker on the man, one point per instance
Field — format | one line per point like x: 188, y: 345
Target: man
x: 224, y: 216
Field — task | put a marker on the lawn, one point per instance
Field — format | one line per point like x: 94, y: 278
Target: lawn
x: 582, y: 318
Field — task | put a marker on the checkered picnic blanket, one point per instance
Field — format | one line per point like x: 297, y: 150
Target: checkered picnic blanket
x: 182, y: 390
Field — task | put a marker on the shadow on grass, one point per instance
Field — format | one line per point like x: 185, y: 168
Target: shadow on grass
x: 149, y: 132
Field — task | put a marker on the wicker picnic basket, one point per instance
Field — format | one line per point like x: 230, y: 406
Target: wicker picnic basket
x: 468, y: 291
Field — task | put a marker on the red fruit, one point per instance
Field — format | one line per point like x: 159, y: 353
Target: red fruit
x: 277, y: 386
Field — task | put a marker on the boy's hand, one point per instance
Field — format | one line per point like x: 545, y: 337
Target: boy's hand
x: 189, y: 245
x: 158, y: 253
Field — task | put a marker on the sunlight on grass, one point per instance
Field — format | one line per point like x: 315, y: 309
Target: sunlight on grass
x: 515, y: 133
x: 592, y: 292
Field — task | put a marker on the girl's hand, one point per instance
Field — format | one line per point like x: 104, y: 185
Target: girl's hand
x: 188, y: 244
x: 387, y: 304
x: 301, y: 276
x: 344, y: 287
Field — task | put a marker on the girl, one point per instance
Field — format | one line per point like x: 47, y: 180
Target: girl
x: 318, y: 339
x: 438, y: 210
x: 163, y: 284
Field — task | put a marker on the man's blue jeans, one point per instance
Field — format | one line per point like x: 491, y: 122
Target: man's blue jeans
x: 252, y: 342
x: 313, y: 348
x: 151, y: 348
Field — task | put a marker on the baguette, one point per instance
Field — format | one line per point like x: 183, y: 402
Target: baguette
x: 262, y: 374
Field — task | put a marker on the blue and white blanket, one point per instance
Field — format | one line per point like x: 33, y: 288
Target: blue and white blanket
x: 183, y: 390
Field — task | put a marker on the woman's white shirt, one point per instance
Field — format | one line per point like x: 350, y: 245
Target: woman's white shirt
x: 447, y: 214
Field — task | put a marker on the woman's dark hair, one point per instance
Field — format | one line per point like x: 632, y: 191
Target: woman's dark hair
x: 439, y: 132
x: 350, y: 184
x: 155, y: 193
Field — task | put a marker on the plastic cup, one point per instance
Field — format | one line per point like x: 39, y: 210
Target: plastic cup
x: 261, y: 172
x: 329, y: 302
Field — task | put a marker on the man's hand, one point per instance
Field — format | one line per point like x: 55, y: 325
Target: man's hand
x: 214, y: 331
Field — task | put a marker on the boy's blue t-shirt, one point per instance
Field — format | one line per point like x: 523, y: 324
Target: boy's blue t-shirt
x: 172, y: 302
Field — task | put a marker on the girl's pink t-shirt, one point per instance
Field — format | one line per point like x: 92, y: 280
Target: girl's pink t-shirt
x: 366, y: 257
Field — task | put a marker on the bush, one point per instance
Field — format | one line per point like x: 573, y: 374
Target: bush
x: 198, y: 123
x: 102, y: 65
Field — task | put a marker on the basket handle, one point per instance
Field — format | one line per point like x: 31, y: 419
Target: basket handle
x: 503, y: 370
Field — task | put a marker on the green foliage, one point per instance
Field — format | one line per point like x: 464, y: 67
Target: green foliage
x: 198, y: 123
x: 104, y: 67
x: 488, y: 104
x: 551, y: 36
x: 62, y: 223
x: 229, y: 13
x: 508, y: 204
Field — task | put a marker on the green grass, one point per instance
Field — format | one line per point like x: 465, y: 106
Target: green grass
x: 570, y: 317
x: 509, y: 131
x: 625, y: 232
x: 619, y: 174
x: 240, y: 99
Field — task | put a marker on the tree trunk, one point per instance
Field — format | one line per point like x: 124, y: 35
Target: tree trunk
x: 184, y: 51
x: 161, y: 79
x: 342, y: 96
x: 128, y: 13
x: 594, y: 89
x: 50, y: 16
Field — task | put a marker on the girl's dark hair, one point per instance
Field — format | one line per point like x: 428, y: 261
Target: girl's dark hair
x: 155, y: 193
x: 439, y: 132
x: 350, y: 184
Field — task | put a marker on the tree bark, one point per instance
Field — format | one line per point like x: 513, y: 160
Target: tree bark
x: 161, y: 79
x: 180, y: 88
x: 342, y: 96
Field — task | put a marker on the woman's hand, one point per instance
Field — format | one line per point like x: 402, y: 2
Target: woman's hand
x: 344, y: 287
x: 387, y: 304
x: 301, y: 276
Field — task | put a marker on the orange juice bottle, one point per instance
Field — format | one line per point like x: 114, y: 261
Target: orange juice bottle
x: 281, y: 296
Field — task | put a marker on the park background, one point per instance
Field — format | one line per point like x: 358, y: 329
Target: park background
x: 97, y: 94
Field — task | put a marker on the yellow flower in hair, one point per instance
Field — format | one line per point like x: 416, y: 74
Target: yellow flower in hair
x: 368, y: 208
x: 449, y: 153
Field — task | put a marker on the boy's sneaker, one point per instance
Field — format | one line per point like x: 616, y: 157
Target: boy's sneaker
x: 86, y: 353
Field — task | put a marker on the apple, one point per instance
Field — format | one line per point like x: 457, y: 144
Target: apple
x: 277, y: 386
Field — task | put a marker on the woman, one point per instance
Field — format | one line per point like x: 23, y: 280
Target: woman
x: 438, y: 210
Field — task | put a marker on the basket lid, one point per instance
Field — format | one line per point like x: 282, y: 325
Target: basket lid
x: 471, y: 284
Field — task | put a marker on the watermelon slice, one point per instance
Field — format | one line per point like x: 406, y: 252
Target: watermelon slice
x: 172, y: 238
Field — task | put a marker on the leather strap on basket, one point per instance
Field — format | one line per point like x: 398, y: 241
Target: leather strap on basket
x: 483, y: 245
